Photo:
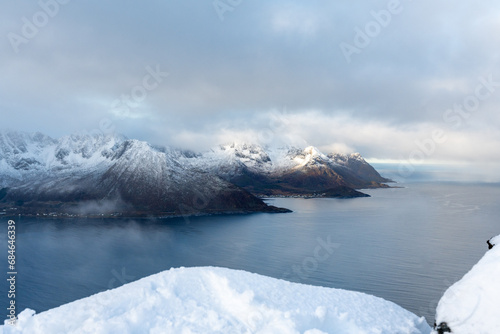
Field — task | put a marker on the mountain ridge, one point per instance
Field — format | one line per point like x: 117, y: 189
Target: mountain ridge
x: 288, y: 170
x: 110, y: 174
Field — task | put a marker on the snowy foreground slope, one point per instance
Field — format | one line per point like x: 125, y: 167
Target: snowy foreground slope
x: 472, y: 305
x: 218, y: 300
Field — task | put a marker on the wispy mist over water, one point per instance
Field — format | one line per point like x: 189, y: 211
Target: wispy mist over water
x: 469, y: 173
x: 105, y: 206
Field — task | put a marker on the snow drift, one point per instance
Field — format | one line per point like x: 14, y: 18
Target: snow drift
x: 218, y: 300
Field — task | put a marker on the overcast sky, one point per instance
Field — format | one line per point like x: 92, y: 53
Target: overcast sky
x: 392, y: 80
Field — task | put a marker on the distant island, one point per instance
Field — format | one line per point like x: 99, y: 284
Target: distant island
x: 112, y: 176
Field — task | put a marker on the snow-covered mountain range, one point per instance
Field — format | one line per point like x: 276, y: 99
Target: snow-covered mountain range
x: 82, y: 174
x: 287, y: 170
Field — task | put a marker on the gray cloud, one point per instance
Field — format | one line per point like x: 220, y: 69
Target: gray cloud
x: 226, y: 77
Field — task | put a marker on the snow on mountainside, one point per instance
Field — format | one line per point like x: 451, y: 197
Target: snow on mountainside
x: 129, y: 175
x: 23, y: 155
x: 218, y: 300
x: 358, y: 165
x: 287, y: 170
x: 310, y: 156
x: 103, y: 174
x: 257, y: 159
x: 230, y: 160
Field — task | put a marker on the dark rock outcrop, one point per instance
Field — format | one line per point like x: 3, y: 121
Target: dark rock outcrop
x: 442, y: 328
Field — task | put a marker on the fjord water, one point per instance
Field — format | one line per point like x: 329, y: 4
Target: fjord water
x: 406, y: 245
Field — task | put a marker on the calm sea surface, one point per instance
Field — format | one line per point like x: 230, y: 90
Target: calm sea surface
x: 406, y: 245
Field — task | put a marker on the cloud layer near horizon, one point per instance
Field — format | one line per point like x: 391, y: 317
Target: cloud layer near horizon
x: 269, y: 71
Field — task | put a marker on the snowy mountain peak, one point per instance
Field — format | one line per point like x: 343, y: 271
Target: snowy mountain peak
x: 230, y: 159
x: 244, y: 150
x: 343, y: 159
x: 356, y: 156
x: 313, y: 151
x: 310, y: 156
x: 23, y: 154
x: 85, y: 149
x: 12, y: 143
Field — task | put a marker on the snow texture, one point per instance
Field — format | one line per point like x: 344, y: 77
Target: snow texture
x: 230, y: 159
x: 472, y: 305
x: 218, y: 300
x: 25, y: 156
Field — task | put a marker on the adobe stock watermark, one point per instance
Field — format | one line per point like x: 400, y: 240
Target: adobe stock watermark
x: 255, y: 320
x: 277, y: 124
x: 223, y: 6
x: 431, y: 308
x: 321, y: 253
x: 372, y: 29
x: 454, y: 117
x: 123, y: 105
x: 199, y: 203
x: 31, y: 27
x: 106, y: 127
x: 122, y: 278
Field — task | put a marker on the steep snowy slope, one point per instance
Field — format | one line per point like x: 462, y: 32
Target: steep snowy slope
x: 472, y: 305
